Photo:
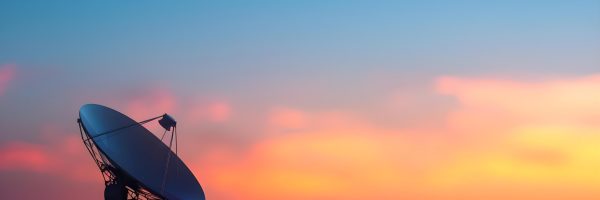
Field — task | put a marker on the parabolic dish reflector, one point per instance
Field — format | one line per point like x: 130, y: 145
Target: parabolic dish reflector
x: 139, y: 154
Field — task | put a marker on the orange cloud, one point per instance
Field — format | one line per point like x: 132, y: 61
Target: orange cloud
x: 334, y: 156
x: 505, y: 139
x: 529, y: 139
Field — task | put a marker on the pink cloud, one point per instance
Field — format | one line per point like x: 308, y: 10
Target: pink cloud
x: 288, y: 118
x: 24, y: 156
x: 498, y: 103
x: 214, y: 111
x: 62, y: 155
x: 150, y: 103
x: 7, y: 74
x: 571, y: 96
x: 219, y: 111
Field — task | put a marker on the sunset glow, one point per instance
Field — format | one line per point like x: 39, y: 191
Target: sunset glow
x: 313, y: 100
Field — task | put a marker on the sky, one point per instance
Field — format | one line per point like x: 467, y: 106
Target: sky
x: 420, y: 100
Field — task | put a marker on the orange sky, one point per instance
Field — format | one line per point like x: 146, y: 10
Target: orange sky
x: 501, y: 139
x: 504, y: 140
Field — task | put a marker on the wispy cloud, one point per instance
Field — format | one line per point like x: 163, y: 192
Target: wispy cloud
x: 527, y: 138
x: 59, y: 155
x: 7, y: 74
x: 24, y: 156
x: 502, y: 139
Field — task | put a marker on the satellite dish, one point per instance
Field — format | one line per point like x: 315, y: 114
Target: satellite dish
x: 135, y: 164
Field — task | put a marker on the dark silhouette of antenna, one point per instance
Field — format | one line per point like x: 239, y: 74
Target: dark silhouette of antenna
x: 135, y: 164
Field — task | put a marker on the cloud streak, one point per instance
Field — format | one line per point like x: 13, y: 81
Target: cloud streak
x: 7, y: 74
x: 505, y: 139
x: 24, y: 156
x: 502, y: 139
x: 59, y: 155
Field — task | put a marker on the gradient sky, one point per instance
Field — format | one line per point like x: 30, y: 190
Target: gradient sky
x: 421, y: 100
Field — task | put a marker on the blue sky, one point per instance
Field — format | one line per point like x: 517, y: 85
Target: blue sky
x: 224, y: 46
x: 259, y: 52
